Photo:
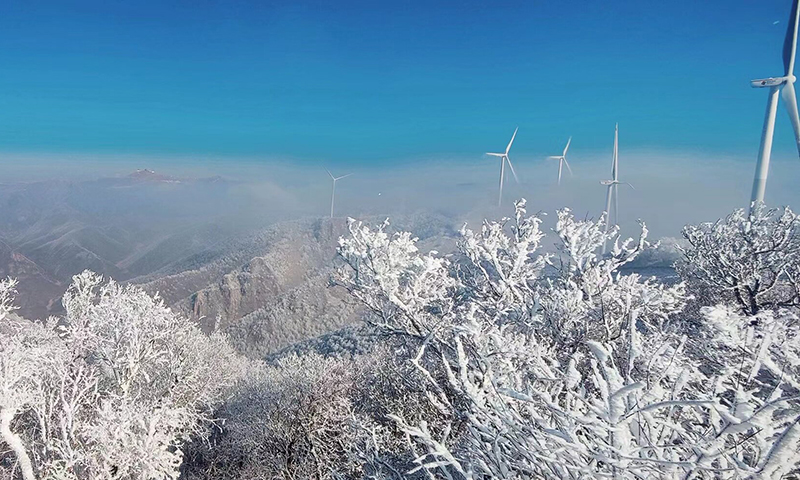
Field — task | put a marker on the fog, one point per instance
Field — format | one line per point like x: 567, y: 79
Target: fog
x: 671, y: 189
x: 61, y: 214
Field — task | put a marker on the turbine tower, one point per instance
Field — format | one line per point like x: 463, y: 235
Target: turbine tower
x: 785, y: 85
x: 612, y: 185
x: 333, y: 191
x: 503, y: 159
x: 562, y: 160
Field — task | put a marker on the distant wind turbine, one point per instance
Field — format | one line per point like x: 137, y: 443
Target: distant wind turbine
x: 503, y: 159
x: 785, y: 85
x: 333, y: 191
x: 562, y: 160
x: 612, y: 189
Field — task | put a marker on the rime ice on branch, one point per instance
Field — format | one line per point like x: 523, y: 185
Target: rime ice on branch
x: 580, y: 374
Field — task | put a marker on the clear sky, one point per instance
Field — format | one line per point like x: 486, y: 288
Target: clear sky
x: 385, y: 80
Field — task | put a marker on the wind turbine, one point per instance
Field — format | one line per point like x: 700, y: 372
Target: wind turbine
x: 562, y: 160
x: 333, y: 191
x: 503, y: 159
x: 785, y: 85
x: 611, y: 185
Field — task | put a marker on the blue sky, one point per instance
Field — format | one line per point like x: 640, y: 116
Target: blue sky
x: 378, y: 81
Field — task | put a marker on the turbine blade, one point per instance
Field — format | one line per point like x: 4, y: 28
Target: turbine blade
x: 615, y: 161
x: 512, y: 169
x: 567, y: 147
x: 331, y: 175
x: 628, y: 184
x: 496, y: 154
x: 343, y: 176
x: 567, y: 164
x: 560, y: 167
x: 502, y: 176
x: 790, y: 42
x: 616, y: 204
x: 512, y: 140
x: 554, y: 157
x: 790, y: 100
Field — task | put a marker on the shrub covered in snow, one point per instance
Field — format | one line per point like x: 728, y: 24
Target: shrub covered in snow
x: 582, y: 375
x: 749, y: 259
x: 497, y: 361
x: 291, y: 420
x: 112, y: 390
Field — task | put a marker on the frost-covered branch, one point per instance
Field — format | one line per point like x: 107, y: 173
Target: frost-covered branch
x: 581, y: 374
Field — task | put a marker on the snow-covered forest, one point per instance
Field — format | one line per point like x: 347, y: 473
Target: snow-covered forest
x: 495, y: 361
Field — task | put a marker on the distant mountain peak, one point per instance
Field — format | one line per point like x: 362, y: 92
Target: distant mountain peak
x: 145, y: 174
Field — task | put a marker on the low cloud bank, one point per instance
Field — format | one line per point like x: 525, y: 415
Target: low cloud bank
x: 671, y: 189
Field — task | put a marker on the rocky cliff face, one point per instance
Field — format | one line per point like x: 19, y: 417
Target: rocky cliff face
x: 267, y: 290
x: 306, y: 311
x: 272, y: 289
x: 258, y: 266
x: 236, y: 295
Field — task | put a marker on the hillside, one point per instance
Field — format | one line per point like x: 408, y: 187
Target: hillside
x: 272, y: 288
x: 122, y: 227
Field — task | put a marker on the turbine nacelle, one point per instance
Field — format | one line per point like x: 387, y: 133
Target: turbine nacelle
x: 504, y: 159
x: 771, y: 81
x: 608, y: 183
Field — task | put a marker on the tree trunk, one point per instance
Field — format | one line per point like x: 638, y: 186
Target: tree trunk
x: 13, y: 441
x: 752, y: 294
x: 742, y: 303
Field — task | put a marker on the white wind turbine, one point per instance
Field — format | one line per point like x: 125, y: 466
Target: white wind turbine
x: 333, y: 191
x: 612, y: 185
x: 503, y: 159
x: 562, y: 160
x: 785, y: 85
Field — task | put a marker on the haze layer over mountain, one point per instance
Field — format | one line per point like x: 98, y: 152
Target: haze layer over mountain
x: 250, y: 251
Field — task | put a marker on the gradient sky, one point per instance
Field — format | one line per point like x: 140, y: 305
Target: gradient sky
x: 354, y: 81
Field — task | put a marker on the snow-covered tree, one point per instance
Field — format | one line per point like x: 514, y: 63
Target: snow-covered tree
x: 578, y: 374
x: 111, y: 390
x: 751, y: 259
x: 291, y: 420
x: 755, y: 365
x: 496, y: 361
x: 28, y: 354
